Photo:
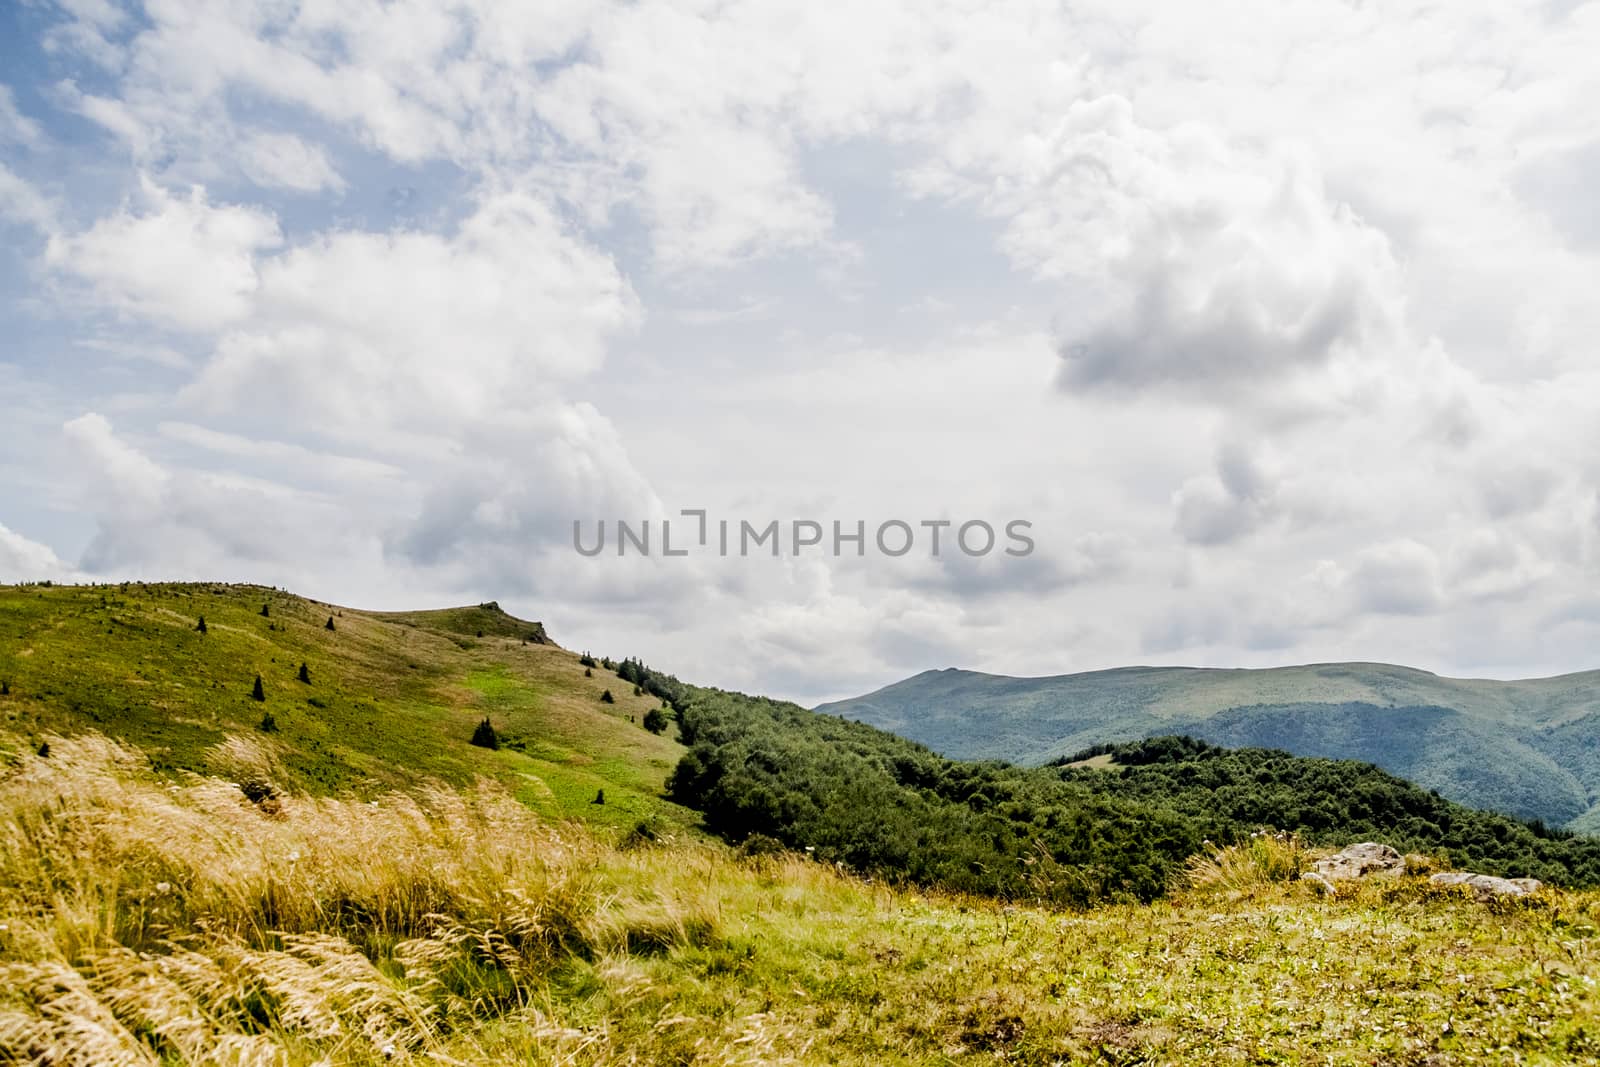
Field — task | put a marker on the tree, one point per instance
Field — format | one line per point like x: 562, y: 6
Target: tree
x: 329, y: 625
x: 268, y: 724
x: 587, y: 660
x: 607, y: 698
x: 588, y: 672
x: 258, y: 691
x: 599, y: 797
x: 266, y: 610
x: 484, y: 736
x: 44, y: 750
x: 201, y: 625
x: 305, y: 674
x: 638, y: 692
x: 654, y: 721
x: 5, y: 689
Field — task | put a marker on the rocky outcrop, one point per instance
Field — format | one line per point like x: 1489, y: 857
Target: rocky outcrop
x: 1487, y: 886
x: 1359, y: 861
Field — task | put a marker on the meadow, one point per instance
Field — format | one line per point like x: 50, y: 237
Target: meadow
x: 151, y: 921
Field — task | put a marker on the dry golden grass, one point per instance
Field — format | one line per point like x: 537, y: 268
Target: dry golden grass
x: 143, y: 922
x: 1266, y: 858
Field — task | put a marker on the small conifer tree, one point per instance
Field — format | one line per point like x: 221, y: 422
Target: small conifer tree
x: 258, y: 691
x: 266, y: 610
x: 305, y: 674
x: 268, y: 724
x: 607, y: 698
x: 484, y: 736
x: 201, y: 625
x: 329, y: 624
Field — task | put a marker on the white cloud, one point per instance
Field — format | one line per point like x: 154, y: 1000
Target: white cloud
x: 179, y: 262
x: 22, y: 560
x: 15, y: 127
x: 284, y: 161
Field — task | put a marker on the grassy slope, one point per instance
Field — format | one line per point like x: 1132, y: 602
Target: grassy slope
x: 1530, y: 747
x: 393, y: 698
x: 141, y: 920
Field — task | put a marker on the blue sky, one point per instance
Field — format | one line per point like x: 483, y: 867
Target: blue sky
x: 1275, y: 322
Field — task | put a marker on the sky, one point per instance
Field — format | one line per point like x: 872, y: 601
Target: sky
x: 1273, y: 319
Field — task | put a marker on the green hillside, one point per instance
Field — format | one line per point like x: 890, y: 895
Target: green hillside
x: 1118, y: 823
x: 1530, y: 748
x: 393, y: 699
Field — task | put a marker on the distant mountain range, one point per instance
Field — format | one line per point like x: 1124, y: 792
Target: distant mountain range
x: 1530, y: 748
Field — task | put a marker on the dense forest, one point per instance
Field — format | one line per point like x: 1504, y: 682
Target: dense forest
x: 766, y: 773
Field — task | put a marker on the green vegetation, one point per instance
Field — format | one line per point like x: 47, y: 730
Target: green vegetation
x: 1069, y: 835
x: 1529, y: 748
x: 394, y: 705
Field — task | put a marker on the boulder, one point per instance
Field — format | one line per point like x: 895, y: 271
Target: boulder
x: 1487, y: 886
x: 1359, y: 861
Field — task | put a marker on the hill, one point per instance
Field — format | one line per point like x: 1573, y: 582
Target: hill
x: 147, y: 921
x: 1122, y: 828
x: 1530, y: 748
x: 392, y: 698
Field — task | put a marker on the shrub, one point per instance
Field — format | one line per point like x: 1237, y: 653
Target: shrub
x: 588, y: 673
x: 201, y: 625
x: 329, y: 624
x: 5, y: 689
x: 484, y: 736
x: 267, y: 725
x: 305, y: 674
x: 654, y: 721
x: 1266, y: 858
x: 599, y: 797
x: 607, y: 698
x: 266, y: 610
x: 258, y: 691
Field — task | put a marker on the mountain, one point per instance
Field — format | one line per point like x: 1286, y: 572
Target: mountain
x: 391, y: 700
x: 1530, y: 748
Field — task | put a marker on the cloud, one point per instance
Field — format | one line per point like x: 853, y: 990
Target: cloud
x: 181, y: 263
x: 22, y: 203
x: 362, y: 331
x: 284, y: 161
x: 1234, y: 501
x: 1400, y: 577
x: 15, y: 127
x: 22, y: 560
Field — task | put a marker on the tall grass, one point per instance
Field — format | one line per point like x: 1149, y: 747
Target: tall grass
x: 144, y: 921
x: 1265, y: 858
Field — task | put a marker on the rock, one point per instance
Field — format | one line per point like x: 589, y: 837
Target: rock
x: 1487, y: 886
x: 1359, y: 861
x: 1318, y: 882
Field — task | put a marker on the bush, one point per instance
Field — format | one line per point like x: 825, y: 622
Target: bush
x: 607, y: 698
x: 484, y: 736
x: 267, y: 725
x: 654, y: 721
x: 305, y: 674
x: 1267, y: 858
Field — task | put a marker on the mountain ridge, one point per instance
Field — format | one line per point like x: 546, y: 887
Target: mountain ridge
x: 1527, y: 746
